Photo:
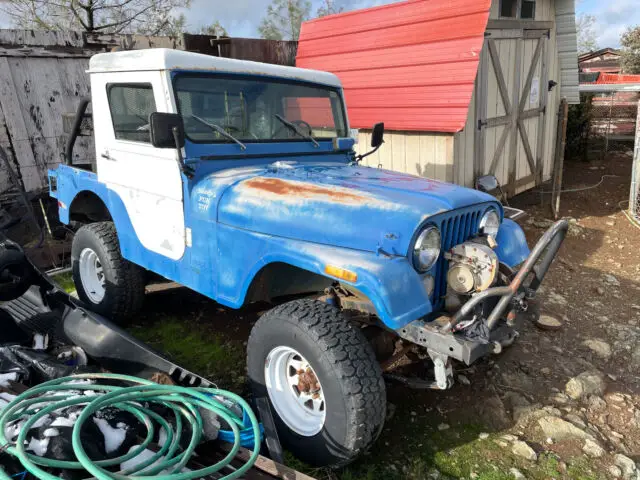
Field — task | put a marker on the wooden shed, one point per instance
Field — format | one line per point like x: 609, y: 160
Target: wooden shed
x: 465, y: 87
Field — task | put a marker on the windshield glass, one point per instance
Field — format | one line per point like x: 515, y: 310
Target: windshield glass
x: 248, y: 108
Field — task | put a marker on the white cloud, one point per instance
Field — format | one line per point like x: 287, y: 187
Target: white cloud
x: 612, y: 18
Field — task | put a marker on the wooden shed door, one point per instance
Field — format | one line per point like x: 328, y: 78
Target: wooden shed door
x: 511, y: 100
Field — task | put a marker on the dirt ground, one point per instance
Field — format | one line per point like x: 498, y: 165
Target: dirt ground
x: 555, y: 405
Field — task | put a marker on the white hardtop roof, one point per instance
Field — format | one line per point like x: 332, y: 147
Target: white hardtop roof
x: 167, y: 59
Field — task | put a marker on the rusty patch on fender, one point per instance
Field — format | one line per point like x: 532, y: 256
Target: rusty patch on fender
x: 278, y: 186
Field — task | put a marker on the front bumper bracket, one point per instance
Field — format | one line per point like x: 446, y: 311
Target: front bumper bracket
x: 438, y: 336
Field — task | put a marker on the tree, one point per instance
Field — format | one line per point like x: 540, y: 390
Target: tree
x: 328, y: 7
x: 148, y: 17
x: 630, y: 42
x: 284, y: 18
x: 587, y: 38
x: 216, y: 29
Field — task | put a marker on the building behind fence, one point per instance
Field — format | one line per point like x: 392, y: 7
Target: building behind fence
x: 43, y: 76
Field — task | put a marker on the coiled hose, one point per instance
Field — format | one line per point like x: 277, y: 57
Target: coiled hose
x: 184, y: 403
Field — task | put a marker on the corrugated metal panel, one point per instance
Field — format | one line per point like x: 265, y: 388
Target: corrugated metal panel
x: 410, y: 64
x: 567, y: 49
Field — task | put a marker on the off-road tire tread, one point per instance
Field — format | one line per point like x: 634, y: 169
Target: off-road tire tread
x: 354, y: 364
x: 129, y: 278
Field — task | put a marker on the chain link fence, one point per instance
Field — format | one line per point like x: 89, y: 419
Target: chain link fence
x: 607, y: 119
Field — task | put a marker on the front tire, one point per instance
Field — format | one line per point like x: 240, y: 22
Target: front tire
x: 322, y: 380
x: 106, y: 282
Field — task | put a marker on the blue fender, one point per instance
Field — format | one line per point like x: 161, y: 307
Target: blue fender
x: 512, y: 247
x: 390, y: 283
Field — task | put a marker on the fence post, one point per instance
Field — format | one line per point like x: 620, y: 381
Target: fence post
x: 558, y: 165
x: 634, y: 195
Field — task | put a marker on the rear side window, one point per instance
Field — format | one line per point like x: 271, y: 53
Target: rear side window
x: 130, y: 107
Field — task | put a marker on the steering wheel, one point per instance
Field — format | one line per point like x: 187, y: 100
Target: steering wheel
x: 295, y: 122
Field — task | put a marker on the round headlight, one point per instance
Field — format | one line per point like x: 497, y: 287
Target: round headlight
x: 490, y: 223
x: 427, y: 249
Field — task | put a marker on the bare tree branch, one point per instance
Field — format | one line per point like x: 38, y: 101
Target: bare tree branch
x: 106, y: 16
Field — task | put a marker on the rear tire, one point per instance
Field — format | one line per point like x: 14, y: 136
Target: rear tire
x: 106, y: 282
x: 347, y: 379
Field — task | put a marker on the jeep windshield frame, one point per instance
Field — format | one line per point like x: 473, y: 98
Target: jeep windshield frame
x: 245, y: 107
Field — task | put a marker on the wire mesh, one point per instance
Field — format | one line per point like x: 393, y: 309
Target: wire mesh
x: 613, y: 115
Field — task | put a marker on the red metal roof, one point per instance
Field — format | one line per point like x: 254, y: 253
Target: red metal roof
x: 411, y: 65
x: 613, y: 78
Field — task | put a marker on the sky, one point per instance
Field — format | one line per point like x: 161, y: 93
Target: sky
x: 612, y: 18
x: 242, y: 17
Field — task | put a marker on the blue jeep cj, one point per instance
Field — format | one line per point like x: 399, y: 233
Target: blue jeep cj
x: 240, y: 181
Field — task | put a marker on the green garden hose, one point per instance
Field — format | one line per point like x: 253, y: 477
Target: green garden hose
x: 184, y: 403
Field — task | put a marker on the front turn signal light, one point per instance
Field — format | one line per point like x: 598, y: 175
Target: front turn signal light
x: 341, y: 273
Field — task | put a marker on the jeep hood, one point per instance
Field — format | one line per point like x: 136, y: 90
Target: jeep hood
x: 335, y: 204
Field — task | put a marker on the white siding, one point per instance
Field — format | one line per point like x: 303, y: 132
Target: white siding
x: 567, y: 50
x: 417, y: 153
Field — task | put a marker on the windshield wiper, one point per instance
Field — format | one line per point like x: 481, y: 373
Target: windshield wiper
x: 294, y: 128
x: 221, y: 131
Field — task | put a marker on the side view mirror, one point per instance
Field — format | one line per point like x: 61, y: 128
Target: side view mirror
x: 167, y: 130
x: 490, y: 184
x: 487, y: 183
x: 377, y: 139
x: 377, y: 135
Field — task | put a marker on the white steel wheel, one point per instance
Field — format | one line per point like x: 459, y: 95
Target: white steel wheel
x: 295, y: 391
x: 92, y: 275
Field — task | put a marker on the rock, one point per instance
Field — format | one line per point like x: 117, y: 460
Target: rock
x: 576, y: 420
x: 615, y: 398
x: 592, y: 448
x: 600, y: 348
x: 507, y: 437
x: 559, y: 429
x: 626, y: 465
x: 614, y: 471
x: 463, y: 380
x: 587, y: 383
x: 522, y: 449
x: 559, y: 399
x: 495, y: 414
x: 600, y: 290
x: 517, y: 474
x: 443, y: 426
x: 596, y: 404
x: 517, y: 403
x: 501, y: 443
x: 611, y: 280
x: 483, y: 436
x: 546, y: 371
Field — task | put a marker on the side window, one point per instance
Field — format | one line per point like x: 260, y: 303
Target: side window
x: 130, y: 106
x: 522, y: 9
x: 528, y: 10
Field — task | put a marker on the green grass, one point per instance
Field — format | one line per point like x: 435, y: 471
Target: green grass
x: 198, y: 348
x: 65, y: 282
x: 412, y: 448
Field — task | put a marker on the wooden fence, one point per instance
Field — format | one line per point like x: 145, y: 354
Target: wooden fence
x: 42, y: 77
